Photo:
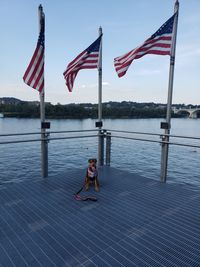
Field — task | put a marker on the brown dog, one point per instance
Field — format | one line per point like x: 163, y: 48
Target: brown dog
x: 92, y: 175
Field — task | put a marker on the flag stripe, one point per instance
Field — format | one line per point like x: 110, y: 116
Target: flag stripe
x: 33, y: 71
x: 158, y: 44
x: 28, y: 71
x: 38, y: 77
x: 34, y: 74
x: 160, y: 49
x: 77, y: 58
x: 93, y: 57
x: 88, y: 62
x: 88, y: 59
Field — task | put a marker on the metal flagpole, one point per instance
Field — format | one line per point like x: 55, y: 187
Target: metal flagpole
x: 100, y: 137
x: 167, y: 126
x: 44, y: 145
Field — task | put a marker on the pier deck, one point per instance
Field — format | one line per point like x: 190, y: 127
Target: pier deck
x: 135, y: 222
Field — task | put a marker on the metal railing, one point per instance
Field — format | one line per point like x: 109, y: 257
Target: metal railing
x: 47, y: 136
x: 156, y: 141
x: 107, y: 134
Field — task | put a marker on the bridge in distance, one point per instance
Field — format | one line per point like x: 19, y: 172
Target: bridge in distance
x: 192, y: 112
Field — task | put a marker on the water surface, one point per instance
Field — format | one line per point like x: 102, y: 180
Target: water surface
x: 22, y: 161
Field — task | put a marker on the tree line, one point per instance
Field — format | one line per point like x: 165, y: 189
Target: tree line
x: 123, y: 109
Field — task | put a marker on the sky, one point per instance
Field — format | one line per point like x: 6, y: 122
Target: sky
x: 71, y: 26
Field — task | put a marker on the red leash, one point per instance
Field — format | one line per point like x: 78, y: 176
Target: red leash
x: 78, y: 197
x: 85, y: 198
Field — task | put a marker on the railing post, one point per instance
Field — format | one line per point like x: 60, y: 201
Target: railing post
x: 44, y: 157
x: 164, y: 158
x: 165, y: 146
x: 108, y: 148
x: 101, y: 148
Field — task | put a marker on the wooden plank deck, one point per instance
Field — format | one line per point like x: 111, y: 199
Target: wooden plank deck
x: 135, y: 222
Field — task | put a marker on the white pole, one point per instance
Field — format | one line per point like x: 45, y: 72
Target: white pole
x: 165, y: 147
x: 44, y: 148
x: 100, y: 138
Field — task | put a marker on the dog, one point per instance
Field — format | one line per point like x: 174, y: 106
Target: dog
x: 92, y: 175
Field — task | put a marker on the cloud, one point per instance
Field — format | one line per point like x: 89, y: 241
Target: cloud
x: 94, y: 85
x: 105, y: 83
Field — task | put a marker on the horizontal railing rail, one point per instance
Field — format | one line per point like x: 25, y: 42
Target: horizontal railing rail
x: 47, y: 139
x: 154, y: 134
x: 155, y: 141
x: 48, y: 132
x: 73, y: 131
x: 104, y: 131
x: 18, y: 134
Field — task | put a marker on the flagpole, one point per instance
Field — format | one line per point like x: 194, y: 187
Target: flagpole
x: 44, y: 148
x: 165, y: 146
x: 100, y: 138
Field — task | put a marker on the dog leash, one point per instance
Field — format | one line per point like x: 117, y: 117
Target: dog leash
x: 85, y: 198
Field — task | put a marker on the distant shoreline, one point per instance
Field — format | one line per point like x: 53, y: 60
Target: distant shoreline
x: 20, y: 116
x: 15, y: 108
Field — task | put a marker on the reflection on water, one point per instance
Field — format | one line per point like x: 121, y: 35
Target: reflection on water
x: 22, y: 161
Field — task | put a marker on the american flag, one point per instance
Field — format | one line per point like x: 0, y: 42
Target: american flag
x: 158, y: 44
x: 34, y: 75
x: 88, y: 59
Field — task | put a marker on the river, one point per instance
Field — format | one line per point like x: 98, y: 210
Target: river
x: 22, y: 161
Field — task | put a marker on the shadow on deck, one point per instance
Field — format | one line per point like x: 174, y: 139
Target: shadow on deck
x: 135, y: 222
